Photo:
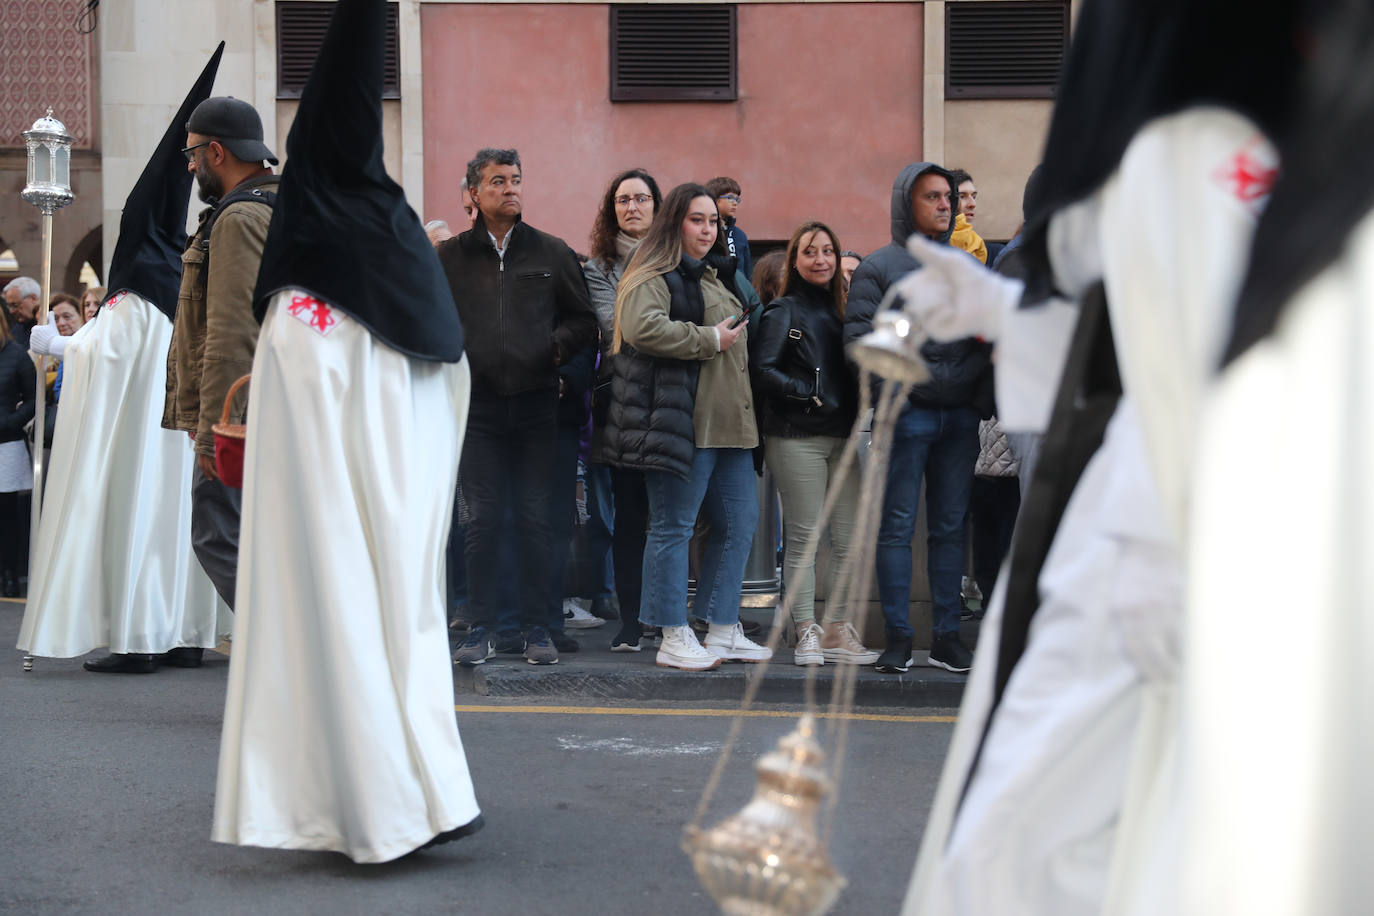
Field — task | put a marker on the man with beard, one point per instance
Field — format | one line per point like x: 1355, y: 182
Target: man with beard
x: 215, y: 332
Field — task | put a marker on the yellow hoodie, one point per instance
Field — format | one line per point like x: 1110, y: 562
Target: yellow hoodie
x: 964, y: 237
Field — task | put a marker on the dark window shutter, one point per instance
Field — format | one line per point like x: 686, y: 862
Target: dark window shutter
x: 1004, y: 50
x: 300, y: 33
x: 673, y: 52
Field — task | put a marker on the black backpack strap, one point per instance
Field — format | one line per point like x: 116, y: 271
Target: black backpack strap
x: 256, y: 195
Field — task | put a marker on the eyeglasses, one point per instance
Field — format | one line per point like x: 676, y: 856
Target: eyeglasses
x: 640, y: 199
x: 733, y: 198
x: 189, y: 151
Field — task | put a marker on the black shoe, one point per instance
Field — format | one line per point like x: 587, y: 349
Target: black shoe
x: 946, y: 651
x: 606, y: 607
x: 457, y: 833
x: 510, y: 643
x: 121, y: 663
x: 563, y: 642
x: 627, y: 640
x: 182, y: 657
x: 896, y: 659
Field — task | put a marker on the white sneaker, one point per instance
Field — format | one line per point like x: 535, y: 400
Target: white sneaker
x: 680, y: 649
x: 969, y: 590
x: 839, y: 643
x: 808, y: 651
x: 576, y: 617
x: 729, y: 643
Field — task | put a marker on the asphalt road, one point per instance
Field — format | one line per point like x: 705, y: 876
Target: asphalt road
x: 107, y: 788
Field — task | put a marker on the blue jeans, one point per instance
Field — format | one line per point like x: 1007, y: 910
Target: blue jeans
x: 601, y: 522
x: 721, y: 486
x: 942, y: 445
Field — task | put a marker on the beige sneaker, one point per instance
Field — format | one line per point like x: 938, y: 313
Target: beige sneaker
x: 728, y: 642
x: 808, y: 651
x: 839, y: 643
x: 680, y: 649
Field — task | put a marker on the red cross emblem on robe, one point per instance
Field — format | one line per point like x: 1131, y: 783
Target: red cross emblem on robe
x: 116, y: 299
x: 313, y: 313
x: 1247, y: 178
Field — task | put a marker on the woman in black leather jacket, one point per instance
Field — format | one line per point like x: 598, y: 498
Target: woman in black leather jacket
x: 17, y: 382
x: 809, y: 398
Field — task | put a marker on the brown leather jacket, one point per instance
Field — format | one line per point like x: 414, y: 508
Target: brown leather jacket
x: 215, y: 332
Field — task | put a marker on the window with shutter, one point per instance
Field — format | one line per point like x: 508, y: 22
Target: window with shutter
x: 680, y: 52
x: 301, y: 25
x: 1011, y: 50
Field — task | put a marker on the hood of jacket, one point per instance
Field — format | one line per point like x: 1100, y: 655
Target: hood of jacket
x: 903, y: 215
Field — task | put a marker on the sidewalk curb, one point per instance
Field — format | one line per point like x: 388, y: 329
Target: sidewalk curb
x: 636, y: 681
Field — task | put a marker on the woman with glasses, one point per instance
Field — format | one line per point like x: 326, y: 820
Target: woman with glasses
x: 616, y: 496
x: 809, y: 399
x: 682, y: 412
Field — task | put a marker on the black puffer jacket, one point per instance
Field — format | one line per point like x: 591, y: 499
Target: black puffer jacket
x: 522, y: 318
x: 649, y: 424
x: 803, y: 382
x: 958, y: 369
x: 17, y: 381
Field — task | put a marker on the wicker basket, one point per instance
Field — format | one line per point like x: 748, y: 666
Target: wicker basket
x: 230, y: 440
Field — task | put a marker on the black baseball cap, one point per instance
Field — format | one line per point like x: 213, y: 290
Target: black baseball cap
x: 235, y: 124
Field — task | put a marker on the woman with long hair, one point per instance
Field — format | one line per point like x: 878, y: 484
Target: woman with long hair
x: 616, y: 498
x: 17, y: 386
x: 682, y: 412
x: 809, y: 399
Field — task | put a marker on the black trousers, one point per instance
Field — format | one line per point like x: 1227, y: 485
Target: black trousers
x: 508, y: 464
x: 627, y: 541
x: 993, y: 505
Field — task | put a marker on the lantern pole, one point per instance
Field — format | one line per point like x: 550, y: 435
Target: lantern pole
x: 49, y: 189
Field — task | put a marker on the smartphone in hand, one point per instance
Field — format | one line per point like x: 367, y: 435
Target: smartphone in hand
x: 739, y: 319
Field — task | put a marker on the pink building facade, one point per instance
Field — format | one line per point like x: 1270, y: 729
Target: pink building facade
x: 829, y: 110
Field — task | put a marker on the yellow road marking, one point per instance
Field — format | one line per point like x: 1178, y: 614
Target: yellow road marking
x: 706, y: 713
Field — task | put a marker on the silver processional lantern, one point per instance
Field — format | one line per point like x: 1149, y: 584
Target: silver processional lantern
x: 49, y: 188
x: 49, y: 145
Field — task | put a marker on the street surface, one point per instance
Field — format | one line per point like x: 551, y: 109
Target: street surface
x: 107, y: 790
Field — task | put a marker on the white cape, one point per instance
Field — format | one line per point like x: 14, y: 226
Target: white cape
x: 339, y: 729
x: 113, y: 565
x: 1072, y: 809
x: 1279, y: 738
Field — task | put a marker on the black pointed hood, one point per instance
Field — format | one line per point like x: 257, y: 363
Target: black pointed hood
x: 341, y: 229
x: 152, y: 229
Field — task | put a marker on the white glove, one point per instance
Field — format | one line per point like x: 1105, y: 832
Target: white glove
x: 952, y: 296
x: 45, y: 341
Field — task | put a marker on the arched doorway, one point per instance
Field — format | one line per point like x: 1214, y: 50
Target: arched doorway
x: 87, y: 251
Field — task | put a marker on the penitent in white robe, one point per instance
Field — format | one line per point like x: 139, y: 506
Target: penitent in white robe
x: 339, y: 729
x: 1279, y: 734
x: 1072, y: 809
x: 113, y: 565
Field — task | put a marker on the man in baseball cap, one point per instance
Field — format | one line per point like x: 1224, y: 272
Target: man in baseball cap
x: 232, y: 123
x: 214, y: 332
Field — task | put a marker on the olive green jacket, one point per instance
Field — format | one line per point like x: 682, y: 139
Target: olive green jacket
x: 215, y: 332
x: 723, y: 413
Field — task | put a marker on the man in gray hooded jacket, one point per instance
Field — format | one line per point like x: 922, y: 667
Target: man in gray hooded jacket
x: 936, y: 435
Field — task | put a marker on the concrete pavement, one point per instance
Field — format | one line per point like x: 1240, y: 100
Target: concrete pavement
x: 107, y: 784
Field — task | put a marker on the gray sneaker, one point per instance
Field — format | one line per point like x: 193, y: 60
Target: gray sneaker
x: 475, y: 649
x: 539, y: 648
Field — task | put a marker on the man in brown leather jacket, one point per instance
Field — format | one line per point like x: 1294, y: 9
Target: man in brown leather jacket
x: 215, y: 332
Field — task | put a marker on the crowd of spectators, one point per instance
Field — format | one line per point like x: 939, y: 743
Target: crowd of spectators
x: 624, y: 400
